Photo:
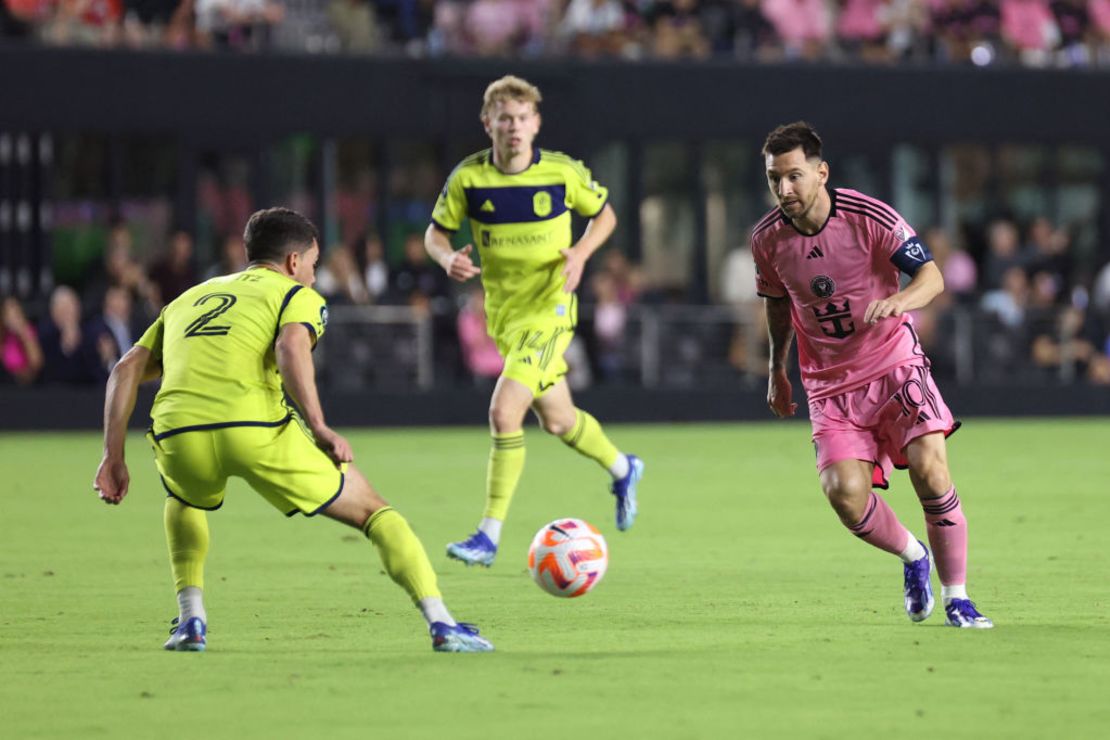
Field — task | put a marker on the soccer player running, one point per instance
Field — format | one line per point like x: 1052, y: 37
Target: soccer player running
x: 229, y: 351
x: 518, y: 199
x: 828, y: 266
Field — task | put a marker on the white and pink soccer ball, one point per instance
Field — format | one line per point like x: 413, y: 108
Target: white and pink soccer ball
x: 568, y: 557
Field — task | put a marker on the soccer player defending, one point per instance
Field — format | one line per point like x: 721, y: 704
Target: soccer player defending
x: 229, y: 351
x: 518, y: 199
x: 828, y: 266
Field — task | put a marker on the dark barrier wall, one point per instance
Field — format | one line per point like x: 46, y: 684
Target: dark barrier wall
x: 243, y: 97
x: 68, y: 408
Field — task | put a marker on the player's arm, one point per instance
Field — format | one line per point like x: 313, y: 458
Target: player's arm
x: 456, y: 263
x: 293, y: 351
x: 780, y: 335
x: 134, y: 368
x: 598, y: 230
x: 925, y: 285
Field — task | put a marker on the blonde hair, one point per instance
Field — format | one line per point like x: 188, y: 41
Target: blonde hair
x: 510, y: 87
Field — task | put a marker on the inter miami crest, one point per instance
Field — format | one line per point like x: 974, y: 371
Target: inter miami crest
x: 822, y: 286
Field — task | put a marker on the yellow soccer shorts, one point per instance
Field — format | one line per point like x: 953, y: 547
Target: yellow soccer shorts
x: 281, y: 463
x: 534, y: 356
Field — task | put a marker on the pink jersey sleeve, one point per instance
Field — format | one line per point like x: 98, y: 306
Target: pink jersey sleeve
x: 767, y: 281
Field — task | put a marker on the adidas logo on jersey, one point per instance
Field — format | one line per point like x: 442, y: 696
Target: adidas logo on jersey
x: 815, y: 253
x: 487, y: 207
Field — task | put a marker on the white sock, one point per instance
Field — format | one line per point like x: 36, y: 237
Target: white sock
x: 620, y: 468
x: 435, y: 611
x: 491, y: 528
x: 958, y: 591
x: 190, y: 603
x: 914, y: 550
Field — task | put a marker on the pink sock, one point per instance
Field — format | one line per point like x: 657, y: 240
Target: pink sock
x: 944, y: 518
x: 880, y: 526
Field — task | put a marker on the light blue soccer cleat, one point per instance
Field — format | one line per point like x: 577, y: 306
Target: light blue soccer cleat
x: 478, y: 549
x: 188, y: 637
x: 625, y: 491
x: 918, y: 587
x: 458, y: 638
x: 962, y: 613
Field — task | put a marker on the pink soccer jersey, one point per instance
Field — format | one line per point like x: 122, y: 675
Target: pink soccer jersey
x: 831, y: 277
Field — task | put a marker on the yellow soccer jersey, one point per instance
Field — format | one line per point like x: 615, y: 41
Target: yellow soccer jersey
x: 216, y: 346
x: 519, y: 223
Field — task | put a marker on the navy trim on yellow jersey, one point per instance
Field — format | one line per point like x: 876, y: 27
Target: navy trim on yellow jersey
x: 285, y: 301
x: 312, y: 331
x: 326, y: 504
x: 514, y: 204
x: 220, y: 425
x: 171, y: 494
x: 443, y: 228
x: 599, y: 210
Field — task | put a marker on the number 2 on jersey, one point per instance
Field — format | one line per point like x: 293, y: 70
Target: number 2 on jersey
x: 200, y: 326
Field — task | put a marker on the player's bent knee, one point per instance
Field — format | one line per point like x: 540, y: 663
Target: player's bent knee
x: 558, y: 427
x: 503, y: 421
x: 357, y: 502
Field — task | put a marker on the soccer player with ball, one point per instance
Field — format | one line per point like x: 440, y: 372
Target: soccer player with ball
x: 828, y: 266
x: 519, y: 199
x: 228, y: 351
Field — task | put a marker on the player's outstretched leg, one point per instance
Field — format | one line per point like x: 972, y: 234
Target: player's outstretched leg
x: 583, y: 433
x: 405, y: 562
x: 847, y: 484
x: 947, y: 527
x: 187, y: 540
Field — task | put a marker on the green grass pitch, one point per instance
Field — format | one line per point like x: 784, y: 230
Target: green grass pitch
x: 737, y: 607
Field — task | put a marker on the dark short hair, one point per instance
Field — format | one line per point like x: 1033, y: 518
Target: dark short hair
x: 273, y: 233
x: 790, y: 136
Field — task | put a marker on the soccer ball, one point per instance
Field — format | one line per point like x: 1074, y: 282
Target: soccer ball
x: 568, y: 557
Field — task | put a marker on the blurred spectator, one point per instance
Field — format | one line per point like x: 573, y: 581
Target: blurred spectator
x: 1029, y: 27
x: 355, y: 25
x: 112, y: 330
x: 493, y: 27
x: 1002, y: 253
x: 907, y: 27
x: 967, y: 30
x: 861, y: 30
x: 627, y: 277
x: 1100, y: 292
x: 677, y: 31
x: 956, y: 265
x: 416, y: 279
x: 174, y: 272
x: 1008, y: 302
x: 1075, y: 35
x: 69, y: 356
x: 233, y: 257
x: 339, y: 280
x: 610, y: 320
x: 84, y: 23
x: 239, y: 25
x: 1047, y: 250
x: 753, y: 36
x: 594, y: 27
x: 20, y: 351
x: 479, y: 351
x: 804, y: 26
x: 375, y: 270
x: 119, y: 267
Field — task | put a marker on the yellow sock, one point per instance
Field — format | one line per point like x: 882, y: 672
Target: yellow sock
x: 506, y: 463
x: 187, y: 538
x: 588, y: 439
x: 402, y: 554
